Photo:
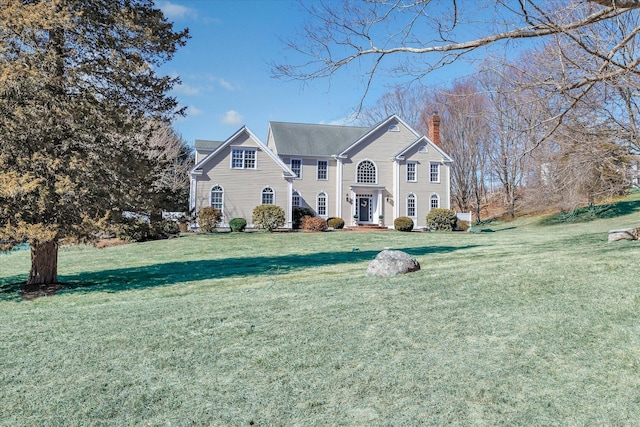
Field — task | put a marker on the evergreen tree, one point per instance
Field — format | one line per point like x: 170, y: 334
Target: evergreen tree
x: 77, y: 81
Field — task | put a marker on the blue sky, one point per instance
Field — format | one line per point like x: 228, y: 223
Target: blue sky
x: 226, y: 70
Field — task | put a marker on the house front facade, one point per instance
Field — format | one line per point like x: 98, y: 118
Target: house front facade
x: 364, y: 175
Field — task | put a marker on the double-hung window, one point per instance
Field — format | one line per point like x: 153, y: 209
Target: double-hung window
x: 412, y: 175
x: 242, y: 158
x: 296, y: 167
x: 268, y: 196
x: 217, y: 197
x: 323, y: 167
x: 435, y: 201
x: 435, y: 172
x: 411, y: 206
x: 322, y: 204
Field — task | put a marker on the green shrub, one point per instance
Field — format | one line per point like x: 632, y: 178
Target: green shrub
x: 238, y: 225
x: 298, y: 214
x: 133, y: 230
x: 440, y: 219
x: 268, y: 217
x: 403, y: 223
x: 335, y: 223
x: 314, y: 223
x: 166, y: 228
x: 209, y: 218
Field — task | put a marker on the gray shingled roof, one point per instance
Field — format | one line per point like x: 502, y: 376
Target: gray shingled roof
x: 297, y: 139
x: 207, y: 145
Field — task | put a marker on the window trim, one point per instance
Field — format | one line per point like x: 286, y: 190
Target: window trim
x: 272, y: 192
x: 326, y: 170
x: 244, y: 158
x: 326, y: 204
x: 375, y: 171
x: 434, y: 196
x: 415, y: 171
x: 431, y: 165
x: 294, y: 194
x: 297, y: 175
x: 412, y: 196
x: 221, y: 197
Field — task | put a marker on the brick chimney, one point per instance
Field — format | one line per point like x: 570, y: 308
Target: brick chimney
x: 434, y: 128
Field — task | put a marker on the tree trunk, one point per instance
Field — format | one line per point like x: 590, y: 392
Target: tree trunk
x: 44, y: 263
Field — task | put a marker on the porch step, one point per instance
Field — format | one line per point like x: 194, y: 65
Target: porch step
x: 366, y: 227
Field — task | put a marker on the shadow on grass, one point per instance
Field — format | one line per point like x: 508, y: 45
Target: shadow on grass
x: 170, y: 273
x: 593, y: 212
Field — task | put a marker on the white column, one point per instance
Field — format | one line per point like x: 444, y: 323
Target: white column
x: 338, y: 187
x: 448, y: 170
x: 192, y: 195
x: 396, y: 189
x: 290, y: 203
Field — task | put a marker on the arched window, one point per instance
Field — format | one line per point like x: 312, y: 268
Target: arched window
x: 268, y: 196
x: 321, y: 207
x: 411, y: 205
x: 217, y: 197
x: 366, y: 172
x: 435, y: 201
x: 295, y: 198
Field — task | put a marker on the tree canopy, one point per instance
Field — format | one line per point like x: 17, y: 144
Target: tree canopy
x: 412, y: 38
x: 77, y: 80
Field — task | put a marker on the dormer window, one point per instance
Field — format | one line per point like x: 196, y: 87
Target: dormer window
x: 394, y: 128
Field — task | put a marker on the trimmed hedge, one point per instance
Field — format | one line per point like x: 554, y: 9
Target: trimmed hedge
x: 238, y: 225
x: 403, y: 223
x: 440, y: 219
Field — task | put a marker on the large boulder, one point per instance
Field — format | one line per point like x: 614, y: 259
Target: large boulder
x: 391, y: 263
x: 626, y: 234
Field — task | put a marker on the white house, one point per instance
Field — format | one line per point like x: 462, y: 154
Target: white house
x: 355, y: 173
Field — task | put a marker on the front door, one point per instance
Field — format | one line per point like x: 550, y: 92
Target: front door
x: 364, y: 209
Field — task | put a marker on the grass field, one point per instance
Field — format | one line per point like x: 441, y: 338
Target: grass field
x: 523, y: 324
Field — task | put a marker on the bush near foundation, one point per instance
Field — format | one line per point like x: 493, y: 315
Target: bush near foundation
x: 268, y: 217
x: 298, y: 215
x: 238, y: 225
x: 403, y: 223
x: 335, y: 223
x: 314, y: 223
x: 440, y: 219
x: 208, y: 219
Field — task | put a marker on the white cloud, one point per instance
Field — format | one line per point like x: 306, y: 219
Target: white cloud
x: 350, y: 120
x: 192, y: 110
x: 175, y: 11
x: 232, y: 117
x: 185, y: 89
x: 225, y: 84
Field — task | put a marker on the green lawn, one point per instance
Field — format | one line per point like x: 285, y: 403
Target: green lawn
x: 526, y: 324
